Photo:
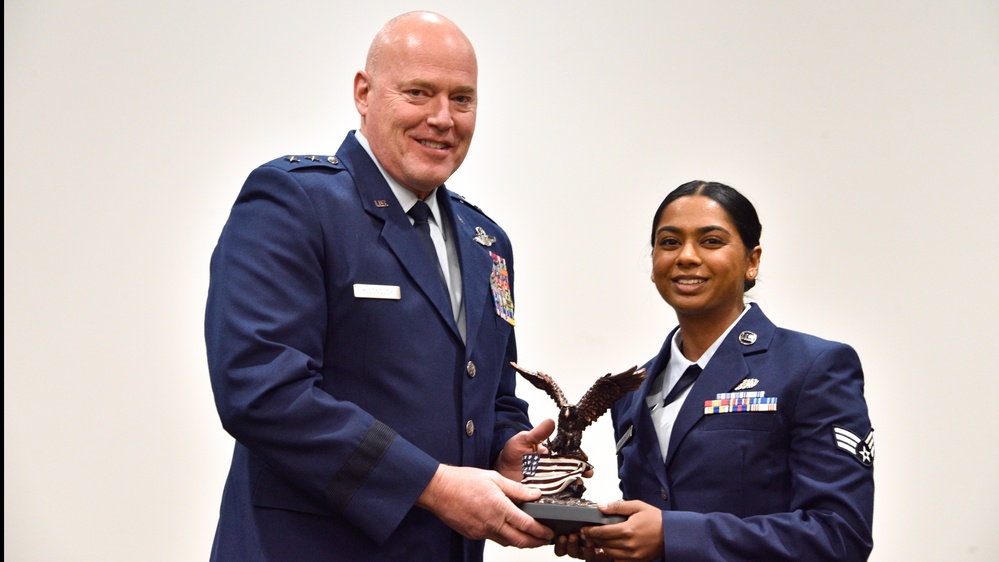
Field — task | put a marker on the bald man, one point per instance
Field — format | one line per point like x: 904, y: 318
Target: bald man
x: 360, y: 329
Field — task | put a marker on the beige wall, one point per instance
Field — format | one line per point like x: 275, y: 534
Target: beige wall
x: 867, y: 134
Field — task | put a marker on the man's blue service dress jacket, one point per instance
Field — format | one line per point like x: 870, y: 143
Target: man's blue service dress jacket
x: 337, y: 365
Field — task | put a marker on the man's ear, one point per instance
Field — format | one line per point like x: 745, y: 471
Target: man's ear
x: 362, y: 87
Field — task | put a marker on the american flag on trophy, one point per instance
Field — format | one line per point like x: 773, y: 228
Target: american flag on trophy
x: 530, y: 464
x: 551, y: 474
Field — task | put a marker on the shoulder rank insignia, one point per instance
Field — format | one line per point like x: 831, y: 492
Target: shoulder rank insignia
x: 461, y: 199
x: 292, y: 161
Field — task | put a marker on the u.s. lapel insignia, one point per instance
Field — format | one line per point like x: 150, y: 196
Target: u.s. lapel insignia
x: 747, y: 338
x: 850, y: 443
x: 482, y: 238
x: 381, y: 203
x: 746, y: 384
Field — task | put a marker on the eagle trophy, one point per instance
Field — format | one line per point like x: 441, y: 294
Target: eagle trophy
x: 574, y: 418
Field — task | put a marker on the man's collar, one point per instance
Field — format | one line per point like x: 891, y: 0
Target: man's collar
x: 405, y: 197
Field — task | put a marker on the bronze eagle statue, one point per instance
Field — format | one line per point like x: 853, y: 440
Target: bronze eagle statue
x: 574, y: 418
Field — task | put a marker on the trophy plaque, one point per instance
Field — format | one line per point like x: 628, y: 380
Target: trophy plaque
x: 558, y: 473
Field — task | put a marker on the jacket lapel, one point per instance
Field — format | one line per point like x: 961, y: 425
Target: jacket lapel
x: 397, y: 232
x: 475, y: 264
x: 724, y: 371
x: 645, y: 427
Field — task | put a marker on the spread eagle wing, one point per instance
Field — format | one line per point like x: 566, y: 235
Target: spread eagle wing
x: 543, y: 382
x: 606, y: 391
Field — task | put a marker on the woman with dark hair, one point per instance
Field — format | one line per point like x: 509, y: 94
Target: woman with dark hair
x: 747, y: 441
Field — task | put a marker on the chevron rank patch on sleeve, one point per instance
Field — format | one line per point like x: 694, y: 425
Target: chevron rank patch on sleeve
x: 851, y: 444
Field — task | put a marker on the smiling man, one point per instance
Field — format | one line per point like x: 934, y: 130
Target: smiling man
x: 359, y: 331
x: 417, y: 100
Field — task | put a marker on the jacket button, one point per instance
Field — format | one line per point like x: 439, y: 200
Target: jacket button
x: 470, y: 369
x: 664, y: 494
x: 469, y: 428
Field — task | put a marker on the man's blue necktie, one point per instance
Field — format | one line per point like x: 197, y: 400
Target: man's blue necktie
x: 420, y: 213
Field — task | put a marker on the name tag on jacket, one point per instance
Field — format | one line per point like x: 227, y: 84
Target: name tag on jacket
x: 391, y: 292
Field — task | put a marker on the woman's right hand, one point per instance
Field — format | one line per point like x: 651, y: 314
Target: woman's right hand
x: 575, y: 547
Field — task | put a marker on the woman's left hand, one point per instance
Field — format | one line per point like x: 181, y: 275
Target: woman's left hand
x: 638, y: 539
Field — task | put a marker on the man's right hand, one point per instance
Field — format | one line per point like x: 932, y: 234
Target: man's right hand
x: 479, y: 504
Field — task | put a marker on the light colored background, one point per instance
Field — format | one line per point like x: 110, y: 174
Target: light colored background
x: 867, y: 134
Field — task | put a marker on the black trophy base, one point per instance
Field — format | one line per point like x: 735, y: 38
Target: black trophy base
x: 568, y: 518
